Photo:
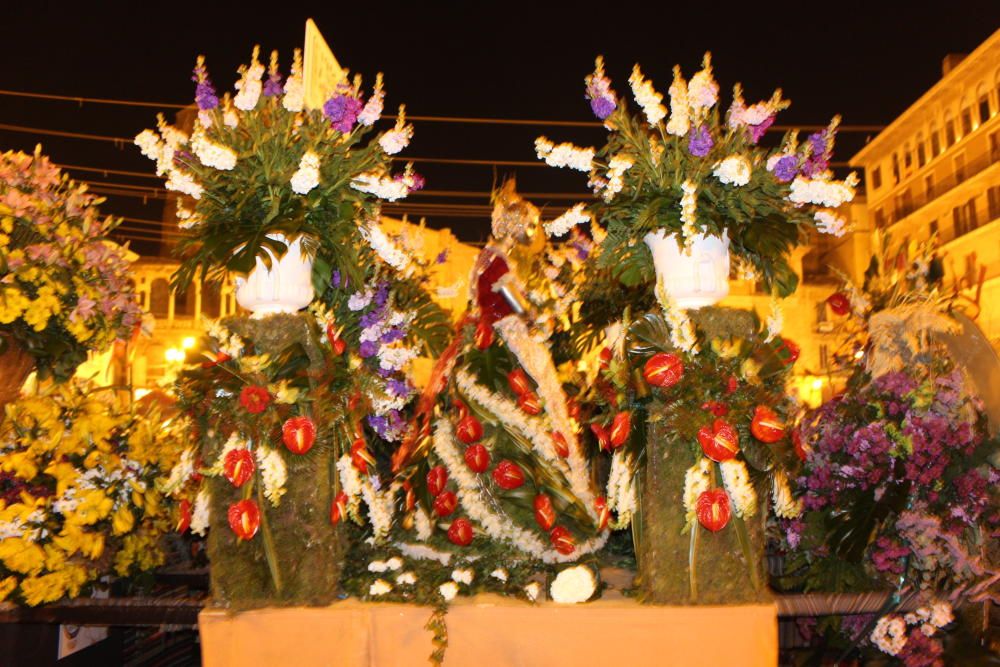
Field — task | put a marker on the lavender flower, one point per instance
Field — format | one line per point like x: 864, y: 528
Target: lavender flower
x: 369, y: 348
x: 342, y: 109
x: 786, y: 168
x: 335, y: 278
x: 272, y: 86
x: 757, y: 131
x: 700, y: 141
x: 204, y: 94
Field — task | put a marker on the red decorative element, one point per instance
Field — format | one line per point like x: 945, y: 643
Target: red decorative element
x: 601, y: 433
x: 354, y: 401
x: 238, y: 466
x: 573, y: 407
x: 492, y: 305
x: 360, y: 456
x: 184, y: 516
x: 801, y: 449
x: 411, y: 496
x: 519, y: 382
x: 460, y: 532
x: 477, y: 457
x: 469, y: 430
x: 244, y: 519
x: 720, y: 441
x: 562, y: 540
x: 603, y: 513
x: 766, y: 425
x: 717, y: 408
x: 437, y: 477
x: 445, y: 504
x: 338, y: 508
x: 789, y: 351
x: 530, y: 403
x: 254, y: 399
x: 463, y: 409
x: 839, y: 303
x: 606, y: 355
x: 337, y: 343
x: 508, y: 475
x: 560, y: 444
x: 483, y: 335
x: 621, y: 426
x: 220, y: 358
x: 545, y: 513
x: 712, y: 509
x: 732, y: 384
x: 664, y: 369
x: 298, y: 434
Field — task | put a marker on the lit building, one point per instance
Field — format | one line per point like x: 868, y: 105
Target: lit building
x: 934, y: 172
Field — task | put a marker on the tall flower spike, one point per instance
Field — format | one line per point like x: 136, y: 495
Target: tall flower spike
x: 249, y: 86
x: 294, y: 90
x: 373, y: 107
x: 647, y: 97
x: 272, y: 86
x: 703, y: 91
x: 680, y: 116
x: 399, y: 136
x: 602, y: 98
x: 204, y: 94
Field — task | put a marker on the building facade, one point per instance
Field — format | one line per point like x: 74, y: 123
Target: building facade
x: 934, y: 172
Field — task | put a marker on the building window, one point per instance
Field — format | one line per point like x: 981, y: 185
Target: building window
x: 958, y: 218
x: 949, y: 133
x: 877, y: 178
x: 995, y: 146
x: 895, y: 169
x: 921, y: 154
x: 993, y: 202
x: 879, y: 216
x: 970, y: 214
x: 159, y: 297
x: 935, y: 142
x: 934, y: 228
x: 907, y: 157
x: 984, y: 108
x: 929, y: 186
x: 966, y: 121
x: 959, y: 168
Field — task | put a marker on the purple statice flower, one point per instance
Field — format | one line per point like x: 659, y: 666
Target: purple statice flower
x: 819, y: 159
x: 393, y: 335
x: 381, y: 294
x: 785, y: 168
x: 897, y: 383
x: 368, y: 349
x: 273, y: 86
x: 342, y: 110
x: 335, y: 279
x: 379, y: 424
x: 204, y: 93
x: 442, y: 257
x: 603, y: 106
x: 757, y: 131
x: 602, y: 98
x: 700, y: 141
x: 398, y: 387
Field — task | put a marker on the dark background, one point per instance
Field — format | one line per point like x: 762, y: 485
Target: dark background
x: 867, y: 61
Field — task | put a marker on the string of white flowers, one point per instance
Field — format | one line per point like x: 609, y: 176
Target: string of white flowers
x: 384, y: 247
x: 733, y: 170
x: 697, y: 480
x: 229, y: 342
x: 350, y: 486
x: 647, y: 97
x: 620, y: 493
x: 785, y: 505
x: 423, y: 552
x: 828, y: 222
x: 564, y: 155
x: 380, y: 509
x: 680, y: 120
x: 822, y: 192
x: 565, y: 222
x: 273, y: 473
x: 201, y: 514
x: 372, y: 110
x: 294, y: 98
x: 249, y: 85
x: 383, y: 187
x: 689, y: 212
x: 180, y: 473
x: 398, y: 138
x: 682, y: 333
x: 617, y: 167
x: 775, y: 320
x: 306, y: 177
x: 738, y: 487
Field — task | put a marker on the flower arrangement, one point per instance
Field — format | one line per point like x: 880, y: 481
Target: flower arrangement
x: 692, y: 170
x: 66, y: 288
x: 81, y: 491
x: 259, y: 167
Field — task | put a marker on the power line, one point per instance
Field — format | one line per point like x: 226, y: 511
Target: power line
x: 91, y: 100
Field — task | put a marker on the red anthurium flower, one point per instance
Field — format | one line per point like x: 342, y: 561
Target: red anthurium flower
x: 603, y: 439
x: 244, y: 519
x: 603, y: 513
x: 238, y: 466
x: 766, y: 426
x: 338, y: 508
x: 720, y: 441
x: 839, y: 303
x: 298, y: 434
x: 562, y: 540
x: 791, y: 349
x: 545, y: 513
x: 530, y: 403
x: 801, y: 450
x: 508, y: 475
x: 732, y: 384
x: 477, y: 457
x: 560, y: 444
x: 606, y: 355
x: 445, y: 503
x: 518, y: 381
x: 361, y: 458
x: 621, y: 426
x: 573, y: 407
x: 469, y: 430
x: 717, y: 408
x: 712, y: 509
x: 437, y: 477
x: 254, y: 399
x: 460, y: 532
x: 663, y: 370
x: 220, y: 358
x: 484, y: 335
x: 184, y: 516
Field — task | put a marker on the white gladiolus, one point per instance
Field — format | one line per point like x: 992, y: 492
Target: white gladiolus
x: 273, y: 472
x: 785, y: 506
x: 384, y: 247
x: 200, y: 513
x: 697, y: 480
x: 647, y: 97
x: 564, y: 155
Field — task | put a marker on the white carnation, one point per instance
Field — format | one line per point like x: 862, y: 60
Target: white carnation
x: 573, y: 585
x: 734, y: 170
x: 379, y: 587
x: 448, y: 590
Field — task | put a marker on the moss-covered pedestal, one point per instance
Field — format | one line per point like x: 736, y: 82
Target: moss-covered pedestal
x: 310, y: 550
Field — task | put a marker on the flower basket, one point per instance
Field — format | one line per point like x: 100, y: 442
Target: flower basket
x: 696, y: 276
x: 283, y: 287
x: 15, y: 365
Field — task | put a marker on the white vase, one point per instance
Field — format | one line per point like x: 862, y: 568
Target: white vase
x: 695, y: 277
x: 284, y: 288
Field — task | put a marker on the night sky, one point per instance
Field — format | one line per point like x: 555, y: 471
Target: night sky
x: 865, y: 61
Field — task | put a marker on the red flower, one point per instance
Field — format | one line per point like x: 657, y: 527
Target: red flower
x: 244, y: 519
x: 839, y: 303
x: 562, y: 540
x: 529, y: 402
x: 477, y: 457
x: 601, y: 433
x: 603, y: 513
x: 360, y: 456
x: 573, y: 407
x: 238, y: 466
x: 462, y: 408
x: 437, y: 477
x: 460, y: 532
x: 712, y: 509
x: 337, y: 343
x: 411, y: 496
x: 791, y: 349
x: 445, y: 504
x: 254, y: 399
x: 801, y: 450
x: 732, y: 384
x: 621, y: 426
x: 663, y: 370
x: 717, y: 408
x: 518, y: 381
x: 298, y: 434
x: 184, y: 516
x: 766, y: 426
x: 720, y: 441
x: 354, y: 401
x: 338, y: 508
x: 484, y: 335
x: 606, y: 355
x: 220, y: 358
x: 469, y: 430
x: 559, y: 443
x: 545, y: 513
x: 508, y: 475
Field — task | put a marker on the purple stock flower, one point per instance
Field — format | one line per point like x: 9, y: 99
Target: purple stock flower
x: 398, y: 387
x: 369, y: 348
x: 342, y: 110
x: 603, y: 106
x: 700, y: 141
x: 204, y: 93
x: 785, y: 168
x: 393, y: 335
x: 272, y: 86
x: 757, y: 131
x: 379, y: 424
x: 381, y: 294
x: 335, y: 279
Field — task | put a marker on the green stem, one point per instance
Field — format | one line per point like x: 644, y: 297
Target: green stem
x: 744, y: 538
x: 270, y: 552
x: 693, y: 561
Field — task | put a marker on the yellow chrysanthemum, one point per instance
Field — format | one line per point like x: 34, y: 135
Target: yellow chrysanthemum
x: 7, y: 586
x: 21, y: 555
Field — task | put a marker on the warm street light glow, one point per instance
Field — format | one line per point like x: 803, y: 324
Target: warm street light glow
x: 188, y: 342
x: 859, y: 354
x: 818, y: 383
x: 174, y: 355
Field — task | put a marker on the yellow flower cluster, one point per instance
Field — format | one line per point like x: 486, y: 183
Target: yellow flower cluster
x: 80, y: 476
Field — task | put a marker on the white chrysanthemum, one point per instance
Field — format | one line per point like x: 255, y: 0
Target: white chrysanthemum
x: 398, y: 137
x: 822, y: 192
x: 448, y: 590
x: 499, y: 574
x: 306, y: 177
x: 738, y: 487
x: 201, y: 513
x: 379, y: 587
x: 697, y: 480
x: 212, y: 154
x: 462, y: 576
x: 533, y: 590
x: 372, y: 110
x: 647, y: 97
x: 384, y: 247
x: 381, y: 186
x: 734, y: 170
x: 249, y: 86
x: 183, y: 182
x: 406, y: 579
x: 889, y: 634
x: 273, y: 472
x: 573, y: 585
x: 785, y: 506
x: 565, y: 222
x: 830, y: 223
x: 564, y: 155
x: 680, y: 120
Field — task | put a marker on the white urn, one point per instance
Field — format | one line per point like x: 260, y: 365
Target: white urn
x: 695, y: 276
x: 286, y: 287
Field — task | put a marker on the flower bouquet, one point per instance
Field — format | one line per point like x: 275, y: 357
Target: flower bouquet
x: 81, y: 498
x: 66, y: 288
